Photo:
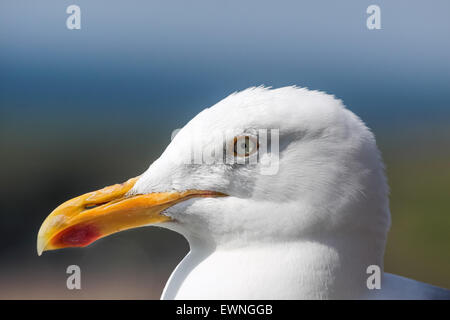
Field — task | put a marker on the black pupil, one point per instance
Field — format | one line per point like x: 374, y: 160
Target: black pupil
x: 245, y: 146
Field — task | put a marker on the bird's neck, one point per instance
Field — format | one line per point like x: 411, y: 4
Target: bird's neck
x: 304, y: 269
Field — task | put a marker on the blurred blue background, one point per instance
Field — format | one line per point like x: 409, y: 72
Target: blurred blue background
x: 81, y: 109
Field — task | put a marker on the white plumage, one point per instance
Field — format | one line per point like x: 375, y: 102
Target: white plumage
x: 308, y: 232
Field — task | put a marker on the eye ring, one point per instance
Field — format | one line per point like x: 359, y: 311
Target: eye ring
x: 245, y: 145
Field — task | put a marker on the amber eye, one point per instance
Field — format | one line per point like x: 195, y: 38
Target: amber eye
x: 245, y: 146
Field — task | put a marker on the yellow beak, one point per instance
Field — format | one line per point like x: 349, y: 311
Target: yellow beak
x: 94, y: 215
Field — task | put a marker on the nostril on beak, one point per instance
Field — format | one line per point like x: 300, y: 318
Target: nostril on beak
x: 93, y: 205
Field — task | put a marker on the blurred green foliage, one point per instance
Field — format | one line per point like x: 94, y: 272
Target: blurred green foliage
x: 418, y: 169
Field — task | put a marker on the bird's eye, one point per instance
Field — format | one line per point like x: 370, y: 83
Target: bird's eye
x: 245, y: 146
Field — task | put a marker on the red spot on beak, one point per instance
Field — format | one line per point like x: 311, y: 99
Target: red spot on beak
x: 76, y: 236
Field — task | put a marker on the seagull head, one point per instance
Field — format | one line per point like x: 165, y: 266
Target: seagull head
x: 261, y: 166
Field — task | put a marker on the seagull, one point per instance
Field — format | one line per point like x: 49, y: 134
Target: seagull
x: 281, y: 194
